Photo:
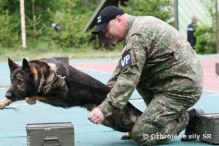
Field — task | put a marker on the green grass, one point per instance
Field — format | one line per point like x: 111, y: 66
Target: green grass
x: 47, y: 52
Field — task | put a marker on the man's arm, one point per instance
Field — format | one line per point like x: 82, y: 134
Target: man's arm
x: 114, y: 77
x: 130, y: 67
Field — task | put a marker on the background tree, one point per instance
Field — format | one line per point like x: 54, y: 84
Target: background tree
x: 206, y: 34
x: 161, y: 9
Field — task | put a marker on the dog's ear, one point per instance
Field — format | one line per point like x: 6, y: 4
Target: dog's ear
x: 12, y: 65
x: 25, y: 65
x: 29, y: 68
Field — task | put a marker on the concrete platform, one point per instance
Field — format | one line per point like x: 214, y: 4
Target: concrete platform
x: 15, y: 117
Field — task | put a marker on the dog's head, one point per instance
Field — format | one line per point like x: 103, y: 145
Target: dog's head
x: 22, y: 81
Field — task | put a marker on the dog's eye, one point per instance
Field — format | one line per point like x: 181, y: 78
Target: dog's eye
x: 19, y: 81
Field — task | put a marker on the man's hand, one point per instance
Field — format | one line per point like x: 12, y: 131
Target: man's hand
x: 96, y: 116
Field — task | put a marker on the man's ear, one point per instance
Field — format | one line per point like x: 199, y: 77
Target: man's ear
x: 12, y: 65
x: 118, y: 18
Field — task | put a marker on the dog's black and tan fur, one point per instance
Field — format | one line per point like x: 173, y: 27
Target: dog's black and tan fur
x: 61, y: 85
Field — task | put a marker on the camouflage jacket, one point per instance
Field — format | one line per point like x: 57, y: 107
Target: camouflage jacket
x: 157, y: 59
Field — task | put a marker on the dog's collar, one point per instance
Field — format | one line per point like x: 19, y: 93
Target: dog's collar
x: 46, y: 85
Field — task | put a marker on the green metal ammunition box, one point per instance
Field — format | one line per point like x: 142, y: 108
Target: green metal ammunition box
x: 207, y: 127
x: 50, y: 134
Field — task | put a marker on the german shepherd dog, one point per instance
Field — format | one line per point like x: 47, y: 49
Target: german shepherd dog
x: 62, y: 85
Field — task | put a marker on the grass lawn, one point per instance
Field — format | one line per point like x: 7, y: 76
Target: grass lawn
x: 46, y: 52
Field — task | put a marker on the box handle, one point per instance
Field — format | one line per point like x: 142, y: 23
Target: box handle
x: 51, y: 141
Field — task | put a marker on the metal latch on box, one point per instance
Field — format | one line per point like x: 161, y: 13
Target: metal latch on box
x: 51, y: 141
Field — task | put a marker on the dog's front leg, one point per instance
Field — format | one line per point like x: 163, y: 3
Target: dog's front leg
x: 31, y: 100
x: 4, y: 102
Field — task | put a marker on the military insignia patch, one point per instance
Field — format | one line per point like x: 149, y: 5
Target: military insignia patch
x: 125, y: 60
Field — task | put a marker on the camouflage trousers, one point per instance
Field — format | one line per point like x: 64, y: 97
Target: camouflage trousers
x: 163, y: 119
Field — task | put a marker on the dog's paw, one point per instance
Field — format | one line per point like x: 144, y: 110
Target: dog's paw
x: 127, y: 136
x: 31, y: 100
x: 4, y: 102
x: 1, y: 106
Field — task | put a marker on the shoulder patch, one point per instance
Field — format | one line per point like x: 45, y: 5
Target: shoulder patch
x: 126, y: 60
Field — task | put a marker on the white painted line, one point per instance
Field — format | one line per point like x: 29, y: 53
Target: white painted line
x: 211, y: 91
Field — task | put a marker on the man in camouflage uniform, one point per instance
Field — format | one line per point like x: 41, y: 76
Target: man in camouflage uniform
x: 160, y: 64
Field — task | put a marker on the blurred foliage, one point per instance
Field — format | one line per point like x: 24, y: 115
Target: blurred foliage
x: 72, y: 16
x: 7, y: 31
x: 205, y: 39
x: 206, y: 35
x: 162, y: 9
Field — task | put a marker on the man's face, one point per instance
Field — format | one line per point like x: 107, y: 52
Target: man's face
x: 114, y: 31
